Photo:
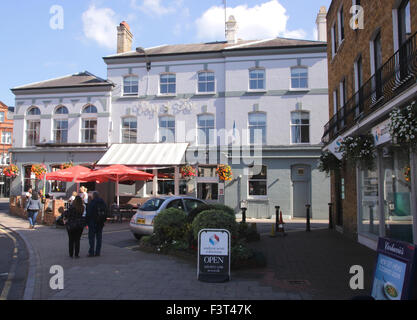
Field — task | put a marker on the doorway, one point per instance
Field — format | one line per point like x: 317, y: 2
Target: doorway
x: 301, y: 178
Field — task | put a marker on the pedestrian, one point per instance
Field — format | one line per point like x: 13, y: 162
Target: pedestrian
x: 74, y: 225
x: 84, y: 194
x: 72, y: 198
x: 95, y: 218
x: 33, y: 205
x: 29, y: 194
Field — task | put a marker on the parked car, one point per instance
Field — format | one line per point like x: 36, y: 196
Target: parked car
x: 142, y: 222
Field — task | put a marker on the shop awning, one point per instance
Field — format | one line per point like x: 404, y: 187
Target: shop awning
x: 147, y: 154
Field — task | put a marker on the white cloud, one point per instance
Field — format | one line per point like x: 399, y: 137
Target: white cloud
x: 267, y: 20
x: 99, y: 24
x: 156, y: 7
x: 295, y: 34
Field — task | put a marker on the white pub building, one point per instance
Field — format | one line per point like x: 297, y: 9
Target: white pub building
x: 256, y: 105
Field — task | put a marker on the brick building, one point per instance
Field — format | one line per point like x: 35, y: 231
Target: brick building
x: 372, y: 71
x: 6, y: 133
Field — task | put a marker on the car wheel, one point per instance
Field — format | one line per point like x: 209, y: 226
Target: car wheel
x: 138, y: 236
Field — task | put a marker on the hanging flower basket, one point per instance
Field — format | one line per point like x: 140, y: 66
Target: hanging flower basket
x: 359, y: 150
x: 39, y: 170
x: 188, y: 171
x: 225, y: 172
x: 328, y: 162
x: 403, y: 126
x: 66, y: 165
x: 11, y: 171
x: 407, y: 174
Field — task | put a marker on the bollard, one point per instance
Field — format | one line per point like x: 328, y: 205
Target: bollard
x: 276, y: 217
x: 308, y: 217
x: 330, y: 216
x: 243, y: 215
x: 272, y: 234
x: 371, y: 218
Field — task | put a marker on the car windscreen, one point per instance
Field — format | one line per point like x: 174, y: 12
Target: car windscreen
x: 152, y: 204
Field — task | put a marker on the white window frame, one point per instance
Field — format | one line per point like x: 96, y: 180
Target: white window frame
x: 167, y: 84
x: 123, y: 129
x: 257, y: 79
x: 257, y: 197
x: 300, y: 125
x: 130, y: 94
x: 335, y: 46
x: 264, y: 132
x: 206, y: 82
x: 60, y: 117
x: 2, y: 116
x: 167, y: 128
x: 6, y: 137
x: 88, y: 117
x: 209, y: 128
x: 32, y: 119
x: 291, y: 78
x: 340, y: 22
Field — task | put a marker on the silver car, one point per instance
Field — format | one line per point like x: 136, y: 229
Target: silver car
x: 142, y: 222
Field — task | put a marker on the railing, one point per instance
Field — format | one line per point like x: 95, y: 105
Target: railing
x: 395, y: 76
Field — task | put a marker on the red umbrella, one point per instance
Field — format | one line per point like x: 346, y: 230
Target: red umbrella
x: 73, y: 174
x: 118, y: 173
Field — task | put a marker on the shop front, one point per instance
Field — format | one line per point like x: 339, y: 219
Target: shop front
x: 387, y: 192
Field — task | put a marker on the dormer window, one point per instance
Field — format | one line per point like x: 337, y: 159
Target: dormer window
x: 130, y: 85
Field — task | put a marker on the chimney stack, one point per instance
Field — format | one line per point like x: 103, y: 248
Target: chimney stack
x: 124, y: 38
x: 231, y: 30
x: 321, y: 22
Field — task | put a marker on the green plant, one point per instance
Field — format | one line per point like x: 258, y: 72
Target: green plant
x: 359, y: 150
x: 195, y: 212
x: 214, y: 219
x: 248, y: 232
x: 328, y: 162
x: 170, y: 225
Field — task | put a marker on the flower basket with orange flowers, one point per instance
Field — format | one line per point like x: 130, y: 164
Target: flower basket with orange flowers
x: 407, y: 174
x: 39, y: 170
x: 225, y: 172
x: 188, y: 171
x: 11, y: 171
x: 67, y: 165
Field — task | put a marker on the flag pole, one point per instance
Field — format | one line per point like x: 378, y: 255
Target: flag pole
x: 225, y: 18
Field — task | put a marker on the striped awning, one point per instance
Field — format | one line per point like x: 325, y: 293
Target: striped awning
x: 147, y: 154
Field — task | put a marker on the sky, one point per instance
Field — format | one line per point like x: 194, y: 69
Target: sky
x: 45, y: 39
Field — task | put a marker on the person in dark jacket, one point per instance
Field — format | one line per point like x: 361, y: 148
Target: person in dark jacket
x: 74, y: 224
x: 95, y: 223
x: 33, y: 205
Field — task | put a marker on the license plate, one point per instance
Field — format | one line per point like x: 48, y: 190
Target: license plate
x: 141, y: 221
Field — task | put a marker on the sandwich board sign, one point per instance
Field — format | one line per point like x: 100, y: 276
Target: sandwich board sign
x: 213, y: 264
x: 394, y: 276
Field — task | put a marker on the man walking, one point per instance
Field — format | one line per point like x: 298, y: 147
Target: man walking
x: 96, y: 217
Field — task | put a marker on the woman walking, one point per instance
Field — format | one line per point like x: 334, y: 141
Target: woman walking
x: 33, y: 205
x: 74, y: 225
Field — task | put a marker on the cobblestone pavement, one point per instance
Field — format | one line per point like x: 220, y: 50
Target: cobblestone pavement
x: 302, y: 265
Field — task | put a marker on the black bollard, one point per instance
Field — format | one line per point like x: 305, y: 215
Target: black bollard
x: 276, y: 217
x: 243, y: 215
x: 330, y: 216
x: 308, y: 217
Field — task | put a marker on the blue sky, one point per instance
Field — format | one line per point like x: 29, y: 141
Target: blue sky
x: 32, y: 50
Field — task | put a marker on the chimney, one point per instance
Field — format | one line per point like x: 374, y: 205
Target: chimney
x: 124, y: 38
x: 231, y: 30
x: 321, y: 22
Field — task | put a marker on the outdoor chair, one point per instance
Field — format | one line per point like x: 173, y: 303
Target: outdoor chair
x: 115, y: 213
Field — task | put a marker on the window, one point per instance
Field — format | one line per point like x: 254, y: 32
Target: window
x: 129, y: 130
x: 60, y: 131
x: 168, y: 83
x: 404, y: 21
x: 341, y: 26
x: 377, y: 64
x: 358, y: 86
x: 89, y: 131
x: 257, y: 128
x: 33, y: 128
x: 61, y: 110
x: 258, y: 181
x: 34, y: 111
x: 257, y: 79
x: 205, y: 127
x: 90, y: 109
x: 334, y: 40
x: 5, y: 158
x: 130, y: 85
x: 167, y: 129
x: 2, y: 116
x: 192, y: 204
x: 300, y: 127
x: 29, y: 180
x: 6, y: 137
x: 58, y: 186
x: 299, y: 78
x: 206, y: 82
x: 177, y: 204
